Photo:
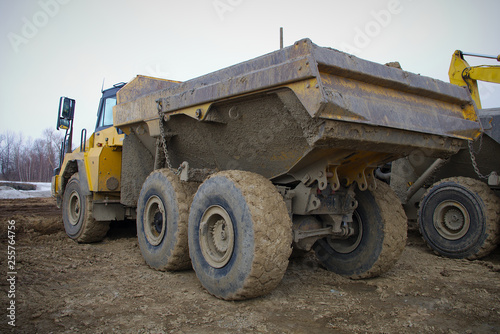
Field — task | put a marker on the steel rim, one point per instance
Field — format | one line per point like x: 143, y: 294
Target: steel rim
x: 155, y: 220
x: 216, y: 236
x: 348, y: 245
x: 75, y: 208
x: 451, y: 220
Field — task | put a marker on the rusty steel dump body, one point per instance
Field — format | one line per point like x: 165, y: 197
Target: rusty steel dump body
x: 282, y: 114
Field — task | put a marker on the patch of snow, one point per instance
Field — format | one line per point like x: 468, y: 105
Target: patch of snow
x: 42, y: 190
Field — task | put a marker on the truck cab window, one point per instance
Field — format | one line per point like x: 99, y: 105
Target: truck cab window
x: 107, y: 114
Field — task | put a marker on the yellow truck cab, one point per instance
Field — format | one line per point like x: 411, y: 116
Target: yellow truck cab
x: 87, y: 183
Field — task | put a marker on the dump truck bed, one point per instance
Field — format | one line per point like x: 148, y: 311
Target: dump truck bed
x: 281, y: 112
x: 330, y: 84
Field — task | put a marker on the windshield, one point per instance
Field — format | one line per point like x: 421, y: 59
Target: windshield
x: 107, y: 115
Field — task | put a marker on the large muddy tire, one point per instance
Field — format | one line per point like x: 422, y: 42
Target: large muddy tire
x: 240, y: 235
x: 459, y: 218
x: 380, y: 228
x: 162, y: 221
x: 79, y: 223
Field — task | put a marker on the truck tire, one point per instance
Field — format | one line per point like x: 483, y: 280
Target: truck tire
x: 459, y: 218
x: 240, y: 235
x: 78, y: 221
x: 380, y: 237
x: 162, y: 221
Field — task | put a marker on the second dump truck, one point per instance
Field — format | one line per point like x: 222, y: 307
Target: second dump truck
x: 456, y: 200
x: 227, y: 172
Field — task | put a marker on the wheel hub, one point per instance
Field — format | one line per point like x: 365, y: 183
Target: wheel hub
x: 349, y: 244
x: 216, y: 236
x: 158, y: 221
x: 154, y: 220
x: 219, y: 236
x: 74, y: 208
x: 451, y: 220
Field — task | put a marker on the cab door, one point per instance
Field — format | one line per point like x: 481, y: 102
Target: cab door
x: 105, y: 153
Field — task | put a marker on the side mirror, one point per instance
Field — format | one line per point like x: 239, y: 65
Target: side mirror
x: 66, y: 113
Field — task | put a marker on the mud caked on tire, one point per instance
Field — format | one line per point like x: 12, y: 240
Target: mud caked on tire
x: 79, y: 223
x: 459, y: 218
x: 240, y: 235
x: 162, y: 220
x: 380, y: 228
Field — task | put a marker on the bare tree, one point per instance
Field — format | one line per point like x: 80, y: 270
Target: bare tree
x: 2, y: 153
x: 7, y: 147
x: 18, y: 161
x: 27, y: 159
x: 52, y: 141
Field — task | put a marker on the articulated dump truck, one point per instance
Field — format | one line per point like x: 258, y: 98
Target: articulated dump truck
x: 226, y: 173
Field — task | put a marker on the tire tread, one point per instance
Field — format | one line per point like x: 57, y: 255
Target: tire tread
x: 272, y: 233
x: 92, y: 230
x: 184, y: 192
x: 492, y: 212
x: 395, y: 231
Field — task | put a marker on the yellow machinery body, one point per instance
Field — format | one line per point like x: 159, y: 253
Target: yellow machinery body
x: 101, y: 159
x: 462, y: 74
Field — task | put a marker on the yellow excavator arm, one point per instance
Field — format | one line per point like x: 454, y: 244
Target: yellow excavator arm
x: 462, y: 74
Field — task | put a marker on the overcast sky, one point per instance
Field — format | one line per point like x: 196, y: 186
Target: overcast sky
x: 53, y: 48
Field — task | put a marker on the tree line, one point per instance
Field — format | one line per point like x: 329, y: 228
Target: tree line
x: 28, y: 160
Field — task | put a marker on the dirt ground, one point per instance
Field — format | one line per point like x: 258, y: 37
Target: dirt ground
x: 65, y: 287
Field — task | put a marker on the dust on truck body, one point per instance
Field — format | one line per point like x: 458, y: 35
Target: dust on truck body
x: 229, y: 170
